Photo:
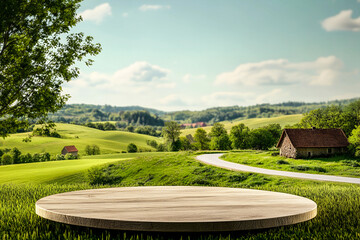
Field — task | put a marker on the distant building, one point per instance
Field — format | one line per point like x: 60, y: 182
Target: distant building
x: 69, y: 149
x: 193, y: 125
x: 306, y: 143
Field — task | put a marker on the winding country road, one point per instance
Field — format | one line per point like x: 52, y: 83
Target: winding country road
x: 213, y: 159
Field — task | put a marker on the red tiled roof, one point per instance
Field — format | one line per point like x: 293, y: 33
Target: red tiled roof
x: 315, y: 138
x: 71, y: 149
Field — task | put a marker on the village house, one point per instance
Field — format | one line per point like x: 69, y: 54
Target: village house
x: 306, y: 143
x: 69, y: 149
x: 193, y: 125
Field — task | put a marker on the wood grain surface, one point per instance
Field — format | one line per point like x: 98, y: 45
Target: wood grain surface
x: 176, y: 208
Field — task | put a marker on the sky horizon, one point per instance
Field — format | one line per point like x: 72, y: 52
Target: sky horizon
x: 176, y: 55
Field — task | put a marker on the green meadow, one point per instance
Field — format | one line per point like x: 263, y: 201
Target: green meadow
x: 252, y: 123
x: 335, y: 165
x: 80, y: 136
x: 338, y: 204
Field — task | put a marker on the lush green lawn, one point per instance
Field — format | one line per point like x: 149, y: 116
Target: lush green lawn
x: 67, y: 171
x: 80, y: 136
x: 253, y: 123
x: 338, y: 165
x: 338, y: 204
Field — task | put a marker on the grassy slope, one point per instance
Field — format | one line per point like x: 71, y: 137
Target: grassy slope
x: 253, y: 123
x: 338, y: 204
x: 338, y: 165
x: 108, y: 141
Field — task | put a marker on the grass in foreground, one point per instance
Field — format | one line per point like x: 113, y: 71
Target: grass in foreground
x: 337, y: 165
x: 338, y: 204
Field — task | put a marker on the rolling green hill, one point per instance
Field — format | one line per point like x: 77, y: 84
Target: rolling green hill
x: 80, y: 136
x: 253, y: 123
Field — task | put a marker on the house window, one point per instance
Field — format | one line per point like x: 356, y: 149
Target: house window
x: 329, y: 150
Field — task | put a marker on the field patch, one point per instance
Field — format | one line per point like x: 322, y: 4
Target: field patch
x: 80, y: 136
x: 252, y: 123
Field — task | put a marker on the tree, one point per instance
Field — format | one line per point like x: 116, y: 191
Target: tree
x: 6, y: 159
x: 171, y: 133
x: 354, y: 141
x: 15, y: 155
x: 219, y: 138
x: 201, y: 138
x: 184, y: 143
x: 37, y: 55
x: 261, y: 139
x: 132, y: 148
x: 239, y: 136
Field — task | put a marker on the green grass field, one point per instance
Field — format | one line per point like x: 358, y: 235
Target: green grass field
x: 80, y: 136
x: 338, y: 204
x: 337, y: 165
x: 252, y: 123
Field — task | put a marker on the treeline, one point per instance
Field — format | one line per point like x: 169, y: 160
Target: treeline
x: 14, y: 156
x: 213, y: 115
x: 240, y: 137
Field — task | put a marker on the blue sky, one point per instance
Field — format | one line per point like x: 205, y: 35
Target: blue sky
x: 175, y: 55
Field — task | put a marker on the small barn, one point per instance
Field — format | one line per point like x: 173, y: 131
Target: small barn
x: 69, y: 149
x: 306, y: 143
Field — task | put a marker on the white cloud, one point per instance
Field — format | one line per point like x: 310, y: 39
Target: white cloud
x: 227, y: 98
x: 138, y: 74
x: 146, y: 7
x: 342, y: 22
x: 173, y: 100
x: 324, y: 71
x: 269, y: 97
x: 97, y: 14
x: 188, y: 78
x: 125, y: 14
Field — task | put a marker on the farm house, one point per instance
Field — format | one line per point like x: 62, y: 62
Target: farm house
x: 306, y: 143
x: 70, y: 149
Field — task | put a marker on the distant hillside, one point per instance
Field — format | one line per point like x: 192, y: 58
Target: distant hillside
x: 252, y: 123
x: 82, y: 113
x: 80, y: 136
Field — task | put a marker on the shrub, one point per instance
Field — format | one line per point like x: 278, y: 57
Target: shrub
x: 301, y: 168
x: 27, y: 158
x: 6, y: 159
x: 59, y: 157
x: 319, y: 169
x: 282, y: 162
x: 70, y: 156
x: 92, y: 150
x: 161, y: 147
x: 15, y: 155
x: 131, y: 148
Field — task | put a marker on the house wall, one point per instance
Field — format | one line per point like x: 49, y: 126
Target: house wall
x: 64, y: 152
x: 287, y: 149
x: 315, y: 152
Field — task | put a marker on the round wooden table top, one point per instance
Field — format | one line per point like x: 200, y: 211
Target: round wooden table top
x: 176, y: 208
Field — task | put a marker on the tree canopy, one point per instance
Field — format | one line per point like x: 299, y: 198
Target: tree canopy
x: 37, y: 55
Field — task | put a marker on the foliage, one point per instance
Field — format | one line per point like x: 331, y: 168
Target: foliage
x: 171, y: 133
x: 185, y: 144
x: 70, y: 156
x: 38, y: 52
x: 261, y: 139
x: 132, y: 148
x: 354, y: 141
x: 6, y: 159
x: 15, y: 155
x: 202, y: 140
x: 219, y: 138
x: 345, y: 118
x: 92, y: 150
x: 239, y: 136
x: 46, y: 130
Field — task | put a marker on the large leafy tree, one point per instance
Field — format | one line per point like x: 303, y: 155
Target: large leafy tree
x: 239, y: 136
x: 38, y: 54
x: 219, y: 138
x: 202, y: 139
x: 171, y: 133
